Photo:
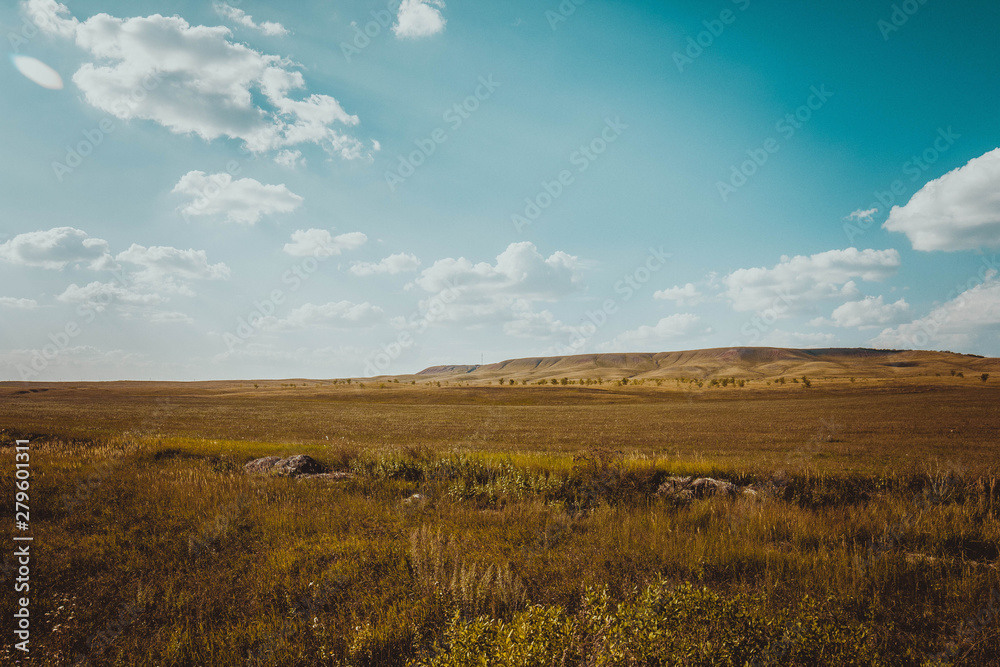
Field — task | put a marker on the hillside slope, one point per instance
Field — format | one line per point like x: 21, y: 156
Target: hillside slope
x: 740, y: 362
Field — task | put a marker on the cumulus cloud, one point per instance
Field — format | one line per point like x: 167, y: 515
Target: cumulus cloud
x: 502, y: 294
x: 397, y: 263
x: 195, y: 80
x: 779, y: 338
x: 99, y: 295
x: 243, y: 201
x: 687, y: 295
x: 289, y: 158
x: 653, y: 338
x: 170, y: 268
x: 321, y: 243
x: 862, y: 214
x: 419, y: 18
x: 18, y: 304
x: 969, y: 321
x: 796, y: 282
x: 336, y: 314
x: 57, y: 248
x: 865, y: 314
x: 240, y: 17
x: 959, y: 211
x: 520, y: 271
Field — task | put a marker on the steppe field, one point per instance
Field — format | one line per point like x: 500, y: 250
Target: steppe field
x: 852, y: 520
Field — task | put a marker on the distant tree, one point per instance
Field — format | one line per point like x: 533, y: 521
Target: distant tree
x: 781, y: 380
x: 501, y: 382
x: 960, y: 374
x: 564, y: 381
x: 984, y: 377
x: 624, y: 381
x: 953, y: 372
x: 806, y: 382
x: 554, y: 381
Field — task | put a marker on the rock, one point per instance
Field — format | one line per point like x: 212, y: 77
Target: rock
x: 414, y: 499
x: 261, y: 466
x: 706, y: 487
x: 673, y: 485
x: 293, y: 466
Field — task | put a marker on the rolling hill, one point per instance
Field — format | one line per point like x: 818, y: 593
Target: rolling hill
x: 739, y: 362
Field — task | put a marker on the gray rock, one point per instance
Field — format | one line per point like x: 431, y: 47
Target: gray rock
x: 293, y: 466
x: 261, y: 466
x: 706, y: 487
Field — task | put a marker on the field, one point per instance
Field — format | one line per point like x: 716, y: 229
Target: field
x: 520, y: 524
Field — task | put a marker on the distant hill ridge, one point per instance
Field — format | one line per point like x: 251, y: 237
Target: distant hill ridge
x: 743, y: 362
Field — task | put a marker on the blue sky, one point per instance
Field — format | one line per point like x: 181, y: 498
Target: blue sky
x: 199, y: 190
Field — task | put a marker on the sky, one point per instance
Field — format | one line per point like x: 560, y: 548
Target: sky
x: 237, y: 190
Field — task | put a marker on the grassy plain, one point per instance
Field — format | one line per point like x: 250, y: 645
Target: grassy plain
x: 871, y: 538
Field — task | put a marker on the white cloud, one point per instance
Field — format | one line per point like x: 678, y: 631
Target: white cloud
x: 336, y: 314
x: 779, y: 338
x: 242, y: 201
x: 169, y: 317
x: 862, y: 214
x: 970, y: 321
x: 168, y: 268
x: 959, y: 211
x: 99, y: 295
x: 393, y: 264
x: 520, y: 272
x: 289, y: 158
x: 321, y: 243
x: 865, y: 314
x: 688, y: 295
x: 501, y: 294
x: 653, y: 338
x: 419, y: 18
x: 796, y: 282
x: 194, y: 80
x: 240, y: 17
x: 19, y: 304
x: 56, y: 249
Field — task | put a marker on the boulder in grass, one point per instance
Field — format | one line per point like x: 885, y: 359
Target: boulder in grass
x: 673, y: 485
x: 706, y: 487
x: 293, y: 466
x: 261, y: 466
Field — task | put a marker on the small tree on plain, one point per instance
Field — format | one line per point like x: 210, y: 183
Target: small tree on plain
x: 984, y: 377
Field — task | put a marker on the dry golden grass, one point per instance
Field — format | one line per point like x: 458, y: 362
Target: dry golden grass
x: 873, y: 539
